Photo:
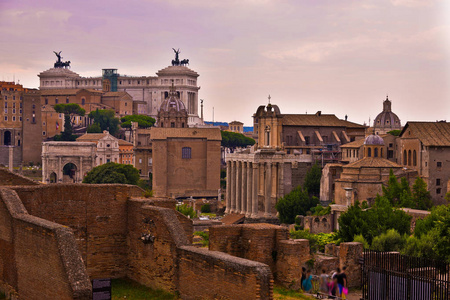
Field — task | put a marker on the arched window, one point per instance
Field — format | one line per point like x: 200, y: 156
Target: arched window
x: 369, y: 152
x: 375, y: 152
x: 381, y: 152
x: 83, y: 101
x: 404, y: 157
x: 186, y: 152
x: 414, y: 158
x: 409, y: 157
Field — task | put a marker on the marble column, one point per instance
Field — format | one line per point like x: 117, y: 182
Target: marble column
x: 244, y: 188
x: 233, y: 187
x: 238, y: 186
x: 228, y: 193
x: 255, y: 190
x: 274, y: 180
x: 268, y: 183
x: 249, y: 189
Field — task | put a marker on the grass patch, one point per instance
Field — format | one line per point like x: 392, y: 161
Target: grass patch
x: 281, y: 293
x: 211, y: 215
x: 127, y: 289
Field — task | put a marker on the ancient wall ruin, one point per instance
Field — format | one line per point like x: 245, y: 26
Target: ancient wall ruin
x: 78, y: 232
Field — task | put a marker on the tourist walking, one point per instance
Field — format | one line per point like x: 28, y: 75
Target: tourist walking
x: 307, y: 283
x: 324, y: 278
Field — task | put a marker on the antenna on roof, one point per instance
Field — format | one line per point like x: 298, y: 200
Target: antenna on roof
x: 269, y: 98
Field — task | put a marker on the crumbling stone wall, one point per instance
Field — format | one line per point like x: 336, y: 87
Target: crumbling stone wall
x: 116, y: 233
x: 8, y: 178
x: 349, y: 255
x: 318, y: 224
x: 38, y: 259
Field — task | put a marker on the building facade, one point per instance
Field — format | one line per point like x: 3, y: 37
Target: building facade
x: 147, y: 92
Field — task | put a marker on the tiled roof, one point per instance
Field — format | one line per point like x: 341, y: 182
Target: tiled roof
x: 373, y: 162
x: 430, y: 133
x: 317, y: 120
x: 115, y: 94
x: 91, y: 137
x: 354, y: 144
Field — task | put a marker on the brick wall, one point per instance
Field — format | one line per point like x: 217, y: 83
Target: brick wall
x: 39, y: 259
x: 97, y: 216
x: 349, y: 255
x: 291, y: 257
x: 204, y: 274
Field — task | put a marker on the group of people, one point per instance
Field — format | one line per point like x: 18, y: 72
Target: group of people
x: 334, y: 285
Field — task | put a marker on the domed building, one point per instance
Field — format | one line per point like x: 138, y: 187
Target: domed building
x: 172, y: 113
x: 373, y: 146
x: 386, y: 120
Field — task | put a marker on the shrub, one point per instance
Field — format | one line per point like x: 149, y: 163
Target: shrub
x: 391, y: 240
x: 205, y: 237
x: 186, y: 210
x: 297, y: 202
x: 360, y: 239
x: 318, y: 241
x: 205, y: 208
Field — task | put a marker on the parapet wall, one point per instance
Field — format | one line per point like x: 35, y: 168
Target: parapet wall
x: 38, y: 258
x: 8, y: 178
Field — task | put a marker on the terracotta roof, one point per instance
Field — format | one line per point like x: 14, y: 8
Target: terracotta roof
x: 430, y: 133
x: 124, y: 143
x: 63, y: 92
x: 354, y: 144
x: 317, y: 120
x: 233, y: 219
x: 91, y: 136
x: 373, y: 162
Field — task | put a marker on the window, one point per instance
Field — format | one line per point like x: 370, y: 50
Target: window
x: 414, y: 158
x: 439, y: 164
x: 306, y: 140
x: 43, y: 132
x: 404, y: 157
x: 14, y: 110
x: 14, y: 104
x: 409, y: 157
x: 6, y: 118
x: 438, y: 190
x: 83, y: 101
x: 67, y: 99
x: 14, y: 97
x: 172, y: 124
x: 150, y: 161
x: 20, y: 119
x: 369, y: 152
x: 186, y: 152
x: 56, y: 100
x: 14, y: 118
x: 34, y: 106
x: 375, y: 152
x: 391, y: 145
x: 6, y: 97
x: 438, y: 181
x: 6, y: 104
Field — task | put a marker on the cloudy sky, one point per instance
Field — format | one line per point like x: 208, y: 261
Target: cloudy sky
x: 340, y: 57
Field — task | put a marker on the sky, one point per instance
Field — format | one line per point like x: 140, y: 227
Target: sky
x: 340, y: 57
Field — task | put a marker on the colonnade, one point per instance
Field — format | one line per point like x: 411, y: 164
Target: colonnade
x: 247, y: 182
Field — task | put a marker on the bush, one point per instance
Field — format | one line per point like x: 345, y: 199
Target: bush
x: 186, y: 210
x: 391, y: 240
x: 319, y: 210
x: 318, y: 241
x: 360, y: 239
x: 205, y: 237
x: 113, y: 173
x: 297, y: 202
x: 205, y: 208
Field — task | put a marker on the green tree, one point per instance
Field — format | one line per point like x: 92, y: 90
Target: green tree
x: 393, y: 190
x: 312, y: 180
x: 142, y: 120
x: 106, y: 119
x: 421, y: 196
x: 395, y: 132
x: 297, y: 202
x: 113, y: 173
x: 70, y: 111
x: 372, y: 222
x: 390, y: 240
x: 234, y: 140
x: 94, y: 128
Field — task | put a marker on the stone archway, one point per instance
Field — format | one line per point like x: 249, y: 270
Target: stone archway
x: 69, y: 172
x: 53, y: 178
x: 7, y: 138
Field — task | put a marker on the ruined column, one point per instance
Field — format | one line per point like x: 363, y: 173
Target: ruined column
x: 244, y: 188
x: 248, y: 211
x: 268, y: 183
x: 233, y: 187
x: 11, y: 159
x: 238, y: 186
x: 255, y: 190
x: 228, y: 193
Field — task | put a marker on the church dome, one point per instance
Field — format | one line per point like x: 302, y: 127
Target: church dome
x: 374, y: 140
x: 172, y: 102
x: 387, y: 120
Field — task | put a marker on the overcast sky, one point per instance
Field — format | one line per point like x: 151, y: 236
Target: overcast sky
x: 340, y: 57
